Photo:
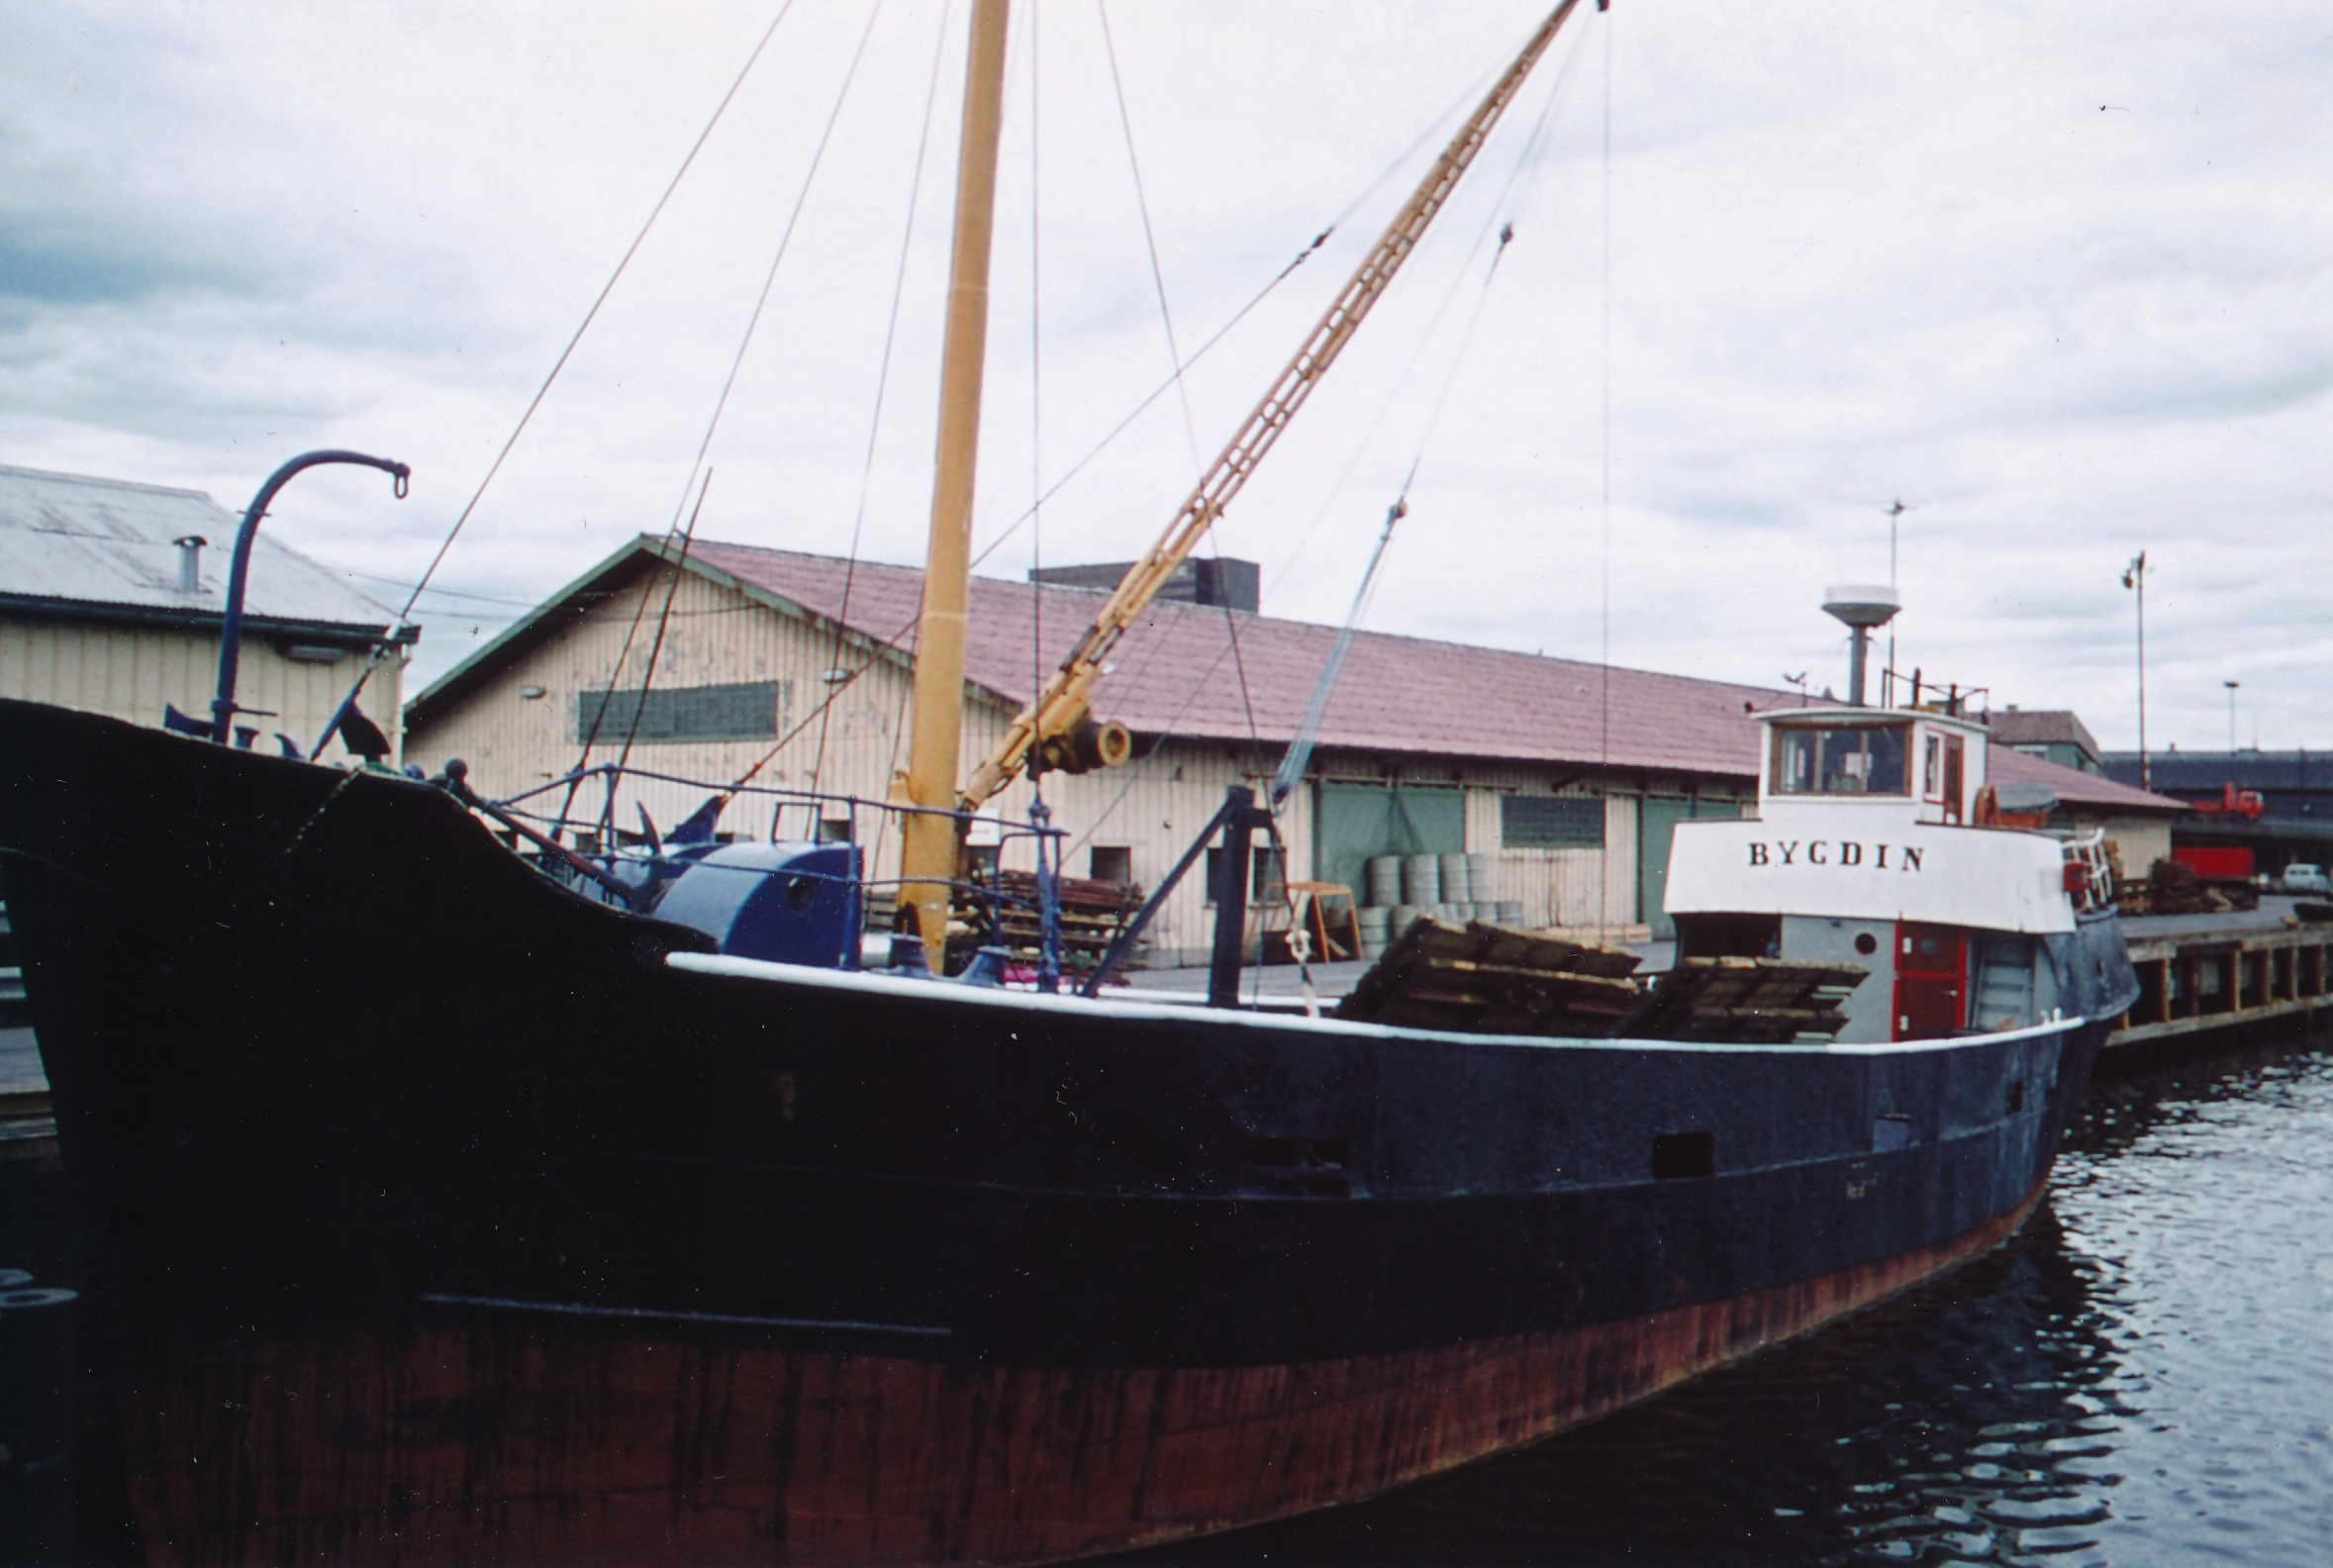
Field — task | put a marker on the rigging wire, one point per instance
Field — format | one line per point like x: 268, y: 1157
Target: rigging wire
x: 1180, y: 381
x: 894, y: 643
x: 898, y: 282
x: 599, y: 715
x: 1456, y: 107
x: 1155, y: 393
x: 785, y: 242
x: 656, y: 650
x: 1527, y: 157
x: 1299, y: 747
x: 381, y: 654
x: 1166, y: 316
x: 729, y: 384
x: 1605, y: 566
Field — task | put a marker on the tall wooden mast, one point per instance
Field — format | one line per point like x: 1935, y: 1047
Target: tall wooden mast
x: 929, y: 854
x: 1057, y: 723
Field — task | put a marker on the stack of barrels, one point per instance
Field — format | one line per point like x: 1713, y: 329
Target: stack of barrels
x: 1449, y: 887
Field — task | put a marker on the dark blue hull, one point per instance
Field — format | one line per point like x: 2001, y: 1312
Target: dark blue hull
x: 323, y: 1050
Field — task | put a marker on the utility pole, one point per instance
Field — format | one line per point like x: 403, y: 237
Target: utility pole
x: 2135, y: 576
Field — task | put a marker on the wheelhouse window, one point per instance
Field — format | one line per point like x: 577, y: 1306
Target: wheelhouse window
x: 1942, y: 775
x: 1844, y: 759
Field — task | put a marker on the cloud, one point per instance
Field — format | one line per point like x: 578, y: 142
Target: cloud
x: 1855, y: 254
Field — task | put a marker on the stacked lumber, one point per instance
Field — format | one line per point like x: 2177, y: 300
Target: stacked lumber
x: 1487, y: 979
x: 1091, y: 916
x: 1745, y: 1001
x: 2172, y: 888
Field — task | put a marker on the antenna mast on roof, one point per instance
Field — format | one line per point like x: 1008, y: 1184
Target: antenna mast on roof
x: 1895, y: 512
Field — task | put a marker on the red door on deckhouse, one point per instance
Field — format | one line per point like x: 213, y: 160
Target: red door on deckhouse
x: 1931, y: 980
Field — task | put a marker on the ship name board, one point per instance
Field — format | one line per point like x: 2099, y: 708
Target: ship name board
x: 1835, y: 853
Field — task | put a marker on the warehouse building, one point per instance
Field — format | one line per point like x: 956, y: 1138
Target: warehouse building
x: 112, y: 596
x: 1564, y: 779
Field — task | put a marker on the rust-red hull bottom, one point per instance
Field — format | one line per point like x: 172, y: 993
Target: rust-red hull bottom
x: 509, y: 1441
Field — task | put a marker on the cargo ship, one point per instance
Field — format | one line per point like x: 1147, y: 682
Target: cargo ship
x: 627, y: 1213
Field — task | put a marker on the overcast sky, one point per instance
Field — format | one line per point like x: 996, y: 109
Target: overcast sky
x: 2053, y: 272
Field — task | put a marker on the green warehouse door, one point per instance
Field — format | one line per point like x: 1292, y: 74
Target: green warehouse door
x: 1656, y: 823
x: 1353, y: 822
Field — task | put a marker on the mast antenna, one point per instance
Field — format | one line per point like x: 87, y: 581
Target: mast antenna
x: 1895, y: 513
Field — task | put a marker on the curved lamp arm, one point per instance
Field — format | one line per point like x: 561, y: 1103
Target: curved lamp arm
x: 231, y: 634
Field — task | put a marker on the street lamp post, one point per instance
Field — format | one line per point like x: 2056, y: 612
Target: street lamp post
x: 2135, y: 576
x: 2231, y: 686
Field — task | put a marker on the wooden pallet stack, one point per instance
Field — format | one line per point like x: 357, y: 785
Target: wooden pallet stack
x: 1487, y: 979
x: 1091, y: 916
x: 1744, y: 1001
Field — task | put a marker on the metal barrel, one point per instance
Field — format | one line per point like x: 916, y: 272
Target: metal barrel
x: 1482, y: 874
x: 1422, y: 879
x: 1457, y: 885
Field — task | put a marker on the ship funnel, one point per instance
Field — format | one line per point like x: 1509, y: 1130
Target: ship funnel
x: 1862, y: 608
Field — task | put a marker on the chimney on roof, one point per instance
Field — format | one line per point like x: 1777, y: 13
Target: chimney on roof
x: 1206, y: 581
x: 190, y: 562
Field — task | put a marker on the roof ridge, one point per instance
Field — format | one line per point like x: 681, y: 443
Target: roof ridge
x: 13, y: 470
x: 1177, y: 607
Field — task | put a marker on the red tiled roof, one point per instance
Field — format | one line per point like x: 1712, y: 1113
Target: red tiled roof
x: 1177, y: 674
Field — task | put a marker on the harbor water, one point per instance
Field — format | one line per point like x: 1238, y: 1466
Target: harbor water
x: 2139, y: 1378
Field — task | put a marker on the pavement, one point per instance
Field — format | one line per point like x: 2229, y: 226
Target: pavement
x: 2275, y: 914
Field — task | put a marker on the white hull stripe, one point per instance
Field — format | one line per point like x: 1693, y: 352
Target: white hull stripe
x: 1036, y: 1002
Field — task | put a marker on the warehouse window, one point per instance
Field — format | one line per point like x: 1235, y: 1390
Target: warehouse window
x: 1111, y: 863
x: 1267, y: 879
x: 1551, y: 822
x: 747, y: 712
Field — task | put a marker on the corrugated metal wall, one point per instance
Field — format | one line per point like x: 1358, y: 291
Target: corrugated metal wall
x: 128, y: 671
x: 516, y: 729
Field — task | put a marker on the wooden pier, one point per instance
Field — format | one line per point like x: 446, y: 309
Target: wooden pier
x: 2216, y: 972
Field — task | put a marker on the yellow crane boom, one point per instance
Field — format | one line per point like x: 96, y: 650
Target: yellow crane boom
x: 1057, y: 725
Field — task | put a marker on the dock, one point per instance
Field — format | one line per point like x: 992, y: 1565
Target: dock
x: 2200, y: 973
